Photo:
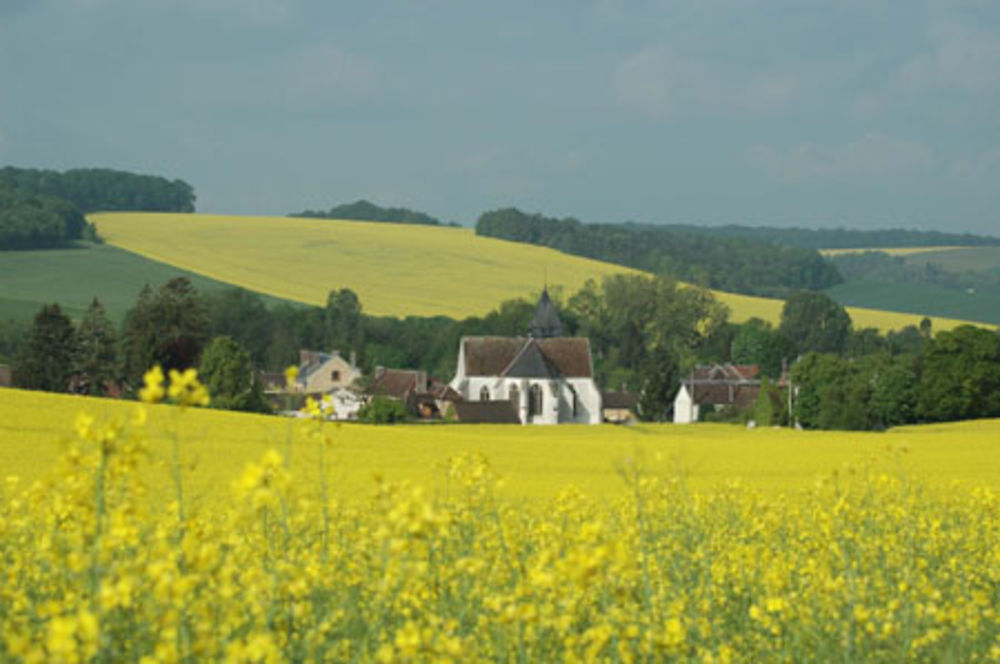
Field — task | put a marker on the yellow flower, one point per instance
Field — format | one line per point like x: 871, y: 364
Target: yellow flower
x: 291, y: 373
x: 153, y: 391
x: 186, y: 390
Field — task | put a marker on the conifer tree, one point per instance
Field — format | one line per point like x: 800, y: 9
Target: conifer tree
x: 97, y: 352
x: 46, y: 362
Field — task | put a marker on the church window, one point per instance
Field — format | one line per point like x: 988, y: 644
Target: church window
x: 484, y: 394
x: 535, y: 400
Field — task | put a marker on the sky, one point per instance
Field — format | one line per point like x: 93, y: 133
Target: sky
x: 855, y: 113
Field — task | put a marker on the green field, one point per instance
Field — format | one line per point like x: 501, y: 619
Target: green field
x: 985, y: 259
x: 72, y: 277
x: 980, y: 306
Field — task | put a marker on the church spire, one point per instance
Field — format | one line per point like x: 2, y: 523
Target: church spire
x: 546, y: 322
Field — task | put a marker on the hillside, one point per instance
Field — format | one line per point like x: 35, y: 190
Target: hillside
x: 395, y: 269
x: 72, y: 277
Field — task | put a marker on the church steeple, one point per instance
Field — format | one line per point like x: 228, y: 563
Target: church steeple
x: 546, y: 322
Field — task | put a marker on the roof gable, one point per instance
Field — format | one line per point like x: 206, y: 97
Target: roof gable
x: 530, y: 363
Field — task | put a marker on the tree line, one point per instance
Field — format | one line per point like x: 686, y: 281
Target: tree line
x: 645, y: 333
x: 41, y: 209
x: 840, y: 238
x: 734, y: 264
x: 363, y: 210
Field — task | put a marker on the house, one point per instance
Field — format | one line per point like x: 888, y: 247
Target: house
x: 325, y: 372
x: 326, y: 377
x: 547, y: 377
x: 6, y: 377
x: 716, y: 387
x: 619, y: 407
x: 425, y: 397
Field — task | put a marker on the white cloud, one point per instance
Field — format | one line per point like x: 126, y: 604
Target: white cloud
x: 658, y: 82
x: 873, y: 155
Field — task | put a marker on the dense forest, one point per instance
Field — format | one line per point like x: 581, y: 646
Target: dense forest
x: 363, y: 210
x: 837, y: 238
x: 28, y: 221
x: 40, y: 209
x: 732, y: 264
x: 103, y: 189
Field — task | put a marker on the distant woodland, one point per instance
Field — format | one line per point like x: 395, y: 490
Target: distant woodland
x: 43, y: 208
x: 363, y: 210
x: 735, y: 264
x: 837, y: 238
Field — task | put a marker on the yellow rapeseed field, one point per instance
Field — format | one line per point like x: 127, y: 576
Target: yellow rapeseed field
x: 892, y: 251
x: 396, y: 269
x: 169, y: 534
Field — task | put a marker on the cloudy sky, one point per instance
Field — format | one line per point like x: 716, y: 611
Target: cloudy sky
x: 862, y: 113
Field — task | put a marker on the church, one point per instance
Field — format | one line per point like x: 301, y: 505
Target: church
x: 544, y: 378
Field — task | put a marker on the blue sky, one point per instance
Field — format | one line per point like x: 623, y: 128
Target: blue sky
x: 861, y: 114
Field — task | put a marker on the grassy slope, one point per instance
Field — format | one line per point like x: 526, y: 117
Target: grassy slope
x: 981, y: 306
x: 72, y: 277
x: 395, y: 269
x: 966, y: 258
x: 534, y: 461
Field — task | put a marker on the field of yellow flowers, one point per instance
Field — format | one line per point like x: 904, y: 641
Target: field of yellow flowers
x: 303, y: 259
x: 143, y: 533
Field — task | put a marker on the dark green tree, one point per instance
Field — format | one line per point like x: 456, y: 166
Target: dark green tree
x: 660, y: 382
x: 960, y: 375
x: 168, y: 328
x: 815, y: 322
x: 757, y: 342
x: 96, y: 352
x: 382, y: 410
x: 228, y: 373
x: 46, y: 361
x: 344, y: 321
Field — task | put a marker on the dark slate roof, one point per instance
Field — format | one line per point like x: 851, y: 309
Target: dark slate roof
x: 546, y: 322
x: 486, y: 412
x: 616, y: 400
x: 531, y: 363
x: 726, y: 372
x: 495, y: 356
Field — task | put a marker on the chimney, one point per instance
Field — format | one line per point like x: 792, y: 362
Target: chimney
x: 421, y: 382
x: 307, y: 356
x: 379, y: 372
x: 354, y: 359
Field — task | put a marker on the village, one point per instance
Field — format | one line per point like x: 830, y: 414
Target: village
x: 543, y: 377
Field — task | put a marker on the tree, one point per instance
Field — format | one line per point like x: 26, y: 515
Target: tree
x: 815, y: 322
x: 46, y: 361
x: 168, y: 328
x: 660, y: 382
x: 344, y: 321
x: 228, y: 373
x: 961, y: 375
x: 382, y: 410
x: 757, y: 342
x: 97, y: 351
x: 242, y: 316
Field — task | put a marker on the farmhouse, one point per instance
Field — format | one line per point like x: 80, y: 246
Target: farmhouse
x: 325, y: 376
x: 716, y: 387
x: 424, y: 396
x: 547, y: 378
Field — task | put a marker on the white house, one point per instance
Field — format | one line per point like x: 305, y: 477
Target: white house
x: 715, y: 386
x: 548, y: 378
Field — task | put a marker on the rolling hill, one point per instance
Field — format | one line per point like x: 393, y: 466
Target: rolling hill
x: 73, y: 277
x: 395, y: 269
